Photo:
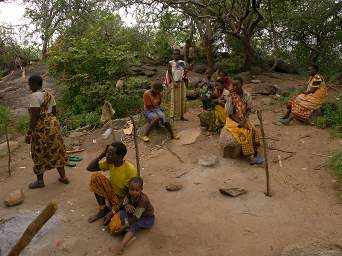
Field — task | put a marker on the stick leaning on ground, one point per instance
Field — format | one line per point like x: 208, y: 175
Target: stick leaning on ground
x: 33, y: 229
x: 268, y: 193
x: 135, y: 136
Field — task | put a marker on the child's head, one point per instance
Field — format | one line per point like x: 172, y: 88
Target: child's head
x: 219, y: 84
x: 157, y: 87
x: 135, y: 187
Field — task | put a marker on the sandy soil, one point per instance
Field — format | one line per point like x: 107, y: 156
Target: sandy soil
x: 198, y: 220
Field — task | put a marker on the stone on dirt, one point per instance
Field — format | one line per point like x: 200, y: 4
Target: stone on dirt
x: 265, y: 89
x: 173, y: 187
x: 189, y: 136
x: 14, y: 198
x: 208, y: 161
x: 255, y: 81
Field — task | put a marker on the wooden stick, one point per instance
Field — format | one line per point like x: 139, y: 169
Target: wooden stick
x: 315, y: 154
x: 135, y: 136
x: 285, y: 158
x: 281, y: 150
x: 33, y: 229
x: 68, y: 152
x: 268, y: 193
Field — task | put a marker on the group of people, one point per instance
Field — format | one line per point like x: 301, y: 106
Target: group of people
x: 121, y: 202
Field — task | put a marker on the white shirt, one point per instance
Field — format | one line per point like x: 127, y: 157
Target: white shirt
x: 37, y: 98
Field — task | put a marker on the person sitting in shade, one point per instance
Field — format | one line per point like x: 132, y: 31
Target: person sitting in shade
x: 303, y: 105
x: 153, y: 111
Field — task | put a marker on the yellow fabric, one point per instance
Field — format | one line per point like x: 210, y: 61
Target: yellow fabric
x: 220, y: 114
x: 101, y: 186
x: 115, y: 224
x: 314, y: 100
x: 178, y: 100
x: 248, y: 138
x: 119, y: 176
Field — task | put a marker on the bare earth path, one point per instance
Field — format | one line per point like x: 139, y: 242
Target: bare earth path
x: 198, y: 220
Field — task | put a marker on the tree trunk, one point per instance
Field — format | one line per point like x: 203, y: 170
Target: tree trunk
x: 188, y: 43
x: 208, y: 48
x: 249, y: 52
x: 44, y: 50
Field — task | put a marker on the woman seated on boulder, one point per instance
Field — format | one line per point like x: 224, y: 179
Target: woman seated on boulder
x: 238, y: 108
x: 215, y: 118
x: 303, y: 105
x: 153, y: 111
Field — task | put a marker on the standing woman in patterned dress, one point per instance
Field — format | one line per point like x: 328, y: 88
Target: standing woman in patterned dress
x: 176, y: 75
x: 44, y: 135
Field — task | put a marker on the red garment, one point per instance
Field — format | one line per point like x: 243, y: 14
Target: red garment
x: 227, y: 81
x: 151, y: 100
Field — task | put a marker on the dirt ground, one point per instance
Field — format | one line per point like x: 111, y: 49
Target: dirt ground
x: 198, y: 220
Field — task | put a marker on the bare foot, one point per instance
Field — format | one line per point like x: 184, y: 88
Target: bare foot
x: 99, y: 215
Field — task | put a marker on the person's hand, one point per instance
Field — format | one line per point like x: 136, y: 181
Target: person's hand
x: 28, y: 139
x: 129, y: 208
x: 103, y: 154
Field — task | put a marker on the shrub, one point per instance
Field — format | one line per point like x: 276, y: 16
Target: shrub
x: 336, y: 165
x: 331, y: 115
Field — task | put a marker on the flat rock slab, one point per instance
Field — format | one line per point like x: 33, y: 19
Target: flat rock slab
x: 233, y: 192
x: 208, y: 161
x: 173, y: 187
x: 189, y: 136
x: 13, y: 226
x: 14, y: 198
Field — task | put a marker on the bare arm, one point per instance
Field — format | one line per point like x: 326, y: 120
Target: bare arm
x: 94, y: 164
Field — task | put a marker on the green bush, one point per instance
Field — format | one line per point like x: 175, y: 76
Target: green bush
x: 336, y: 165
x: 23, y: 123
x: 331, y: 115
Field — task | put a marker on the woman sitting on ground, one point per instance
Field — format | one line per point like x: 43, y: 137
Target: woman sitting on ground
x: 303, y: 105
x: 238, y: 108
x: 215, y: 118
x: 44, y: 135
x: 153, y: 112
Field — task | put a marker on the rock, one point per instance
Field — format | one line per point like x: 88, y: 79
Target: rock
x: 120, y: 84
x: 3, y: 147
x: 208, y: 161
x: 188, y: 136
x: 264, y: 89
x: 75, y: 134
x: 233, y: 192
x: 229, y: 147
x: 255, y: 81
x: 284, y: 67
x: 118, y: 124
x: 14, y: 198
x: 246, y: 76
x: 173, y: 187
x: 194, y: 81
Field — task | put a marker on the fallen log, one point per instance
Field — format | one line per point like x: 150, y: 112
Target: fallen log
x: 33, y: 229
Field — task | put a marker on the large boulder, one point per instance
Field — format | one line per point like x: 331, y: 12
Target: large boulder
x: 264, y: 89
x: 246, y: 76
x: 284, y: 67
x: 229, y: 147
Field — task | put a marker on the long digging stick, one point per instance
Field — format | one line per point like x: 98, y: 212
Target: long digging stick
x: 136, y: 145
x: 268, y: 193
x: 33, y: 229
